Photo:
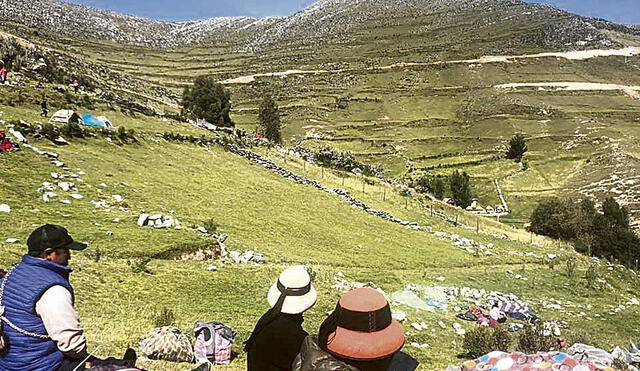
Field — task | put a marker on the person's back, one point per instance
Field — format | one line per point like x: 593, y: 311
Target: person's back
x: 278, y: 344
x: 278, y: 335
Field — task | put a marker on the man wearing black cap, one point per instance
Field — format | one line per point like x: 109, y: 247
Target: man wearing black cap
x: 36, y: 301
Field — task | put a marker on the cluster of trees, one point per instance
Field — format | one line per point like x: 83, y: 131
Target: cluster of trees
x: 604, y: 233
x: 458, y: 182
x: 209, y: 100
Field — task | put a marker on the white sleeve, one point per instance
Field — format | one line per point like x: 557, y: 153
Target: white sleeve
x: 55, y: 307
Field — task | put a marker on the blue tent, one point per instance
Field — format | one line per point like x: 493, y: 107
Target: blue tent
x: 96, y: 122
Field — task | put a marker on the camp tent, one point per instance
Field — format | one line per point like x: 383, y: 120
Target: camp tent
x: 66, y: 116
x: 96, y: 121
x: 107, y: 123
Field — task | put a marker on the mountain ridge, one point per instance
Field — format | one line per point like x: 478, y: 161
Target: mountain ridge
x: 326, y: 21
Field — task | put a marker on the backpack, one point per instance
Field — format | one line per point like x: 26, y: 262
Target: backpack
x: 167, y: 343
x: 214, y: 342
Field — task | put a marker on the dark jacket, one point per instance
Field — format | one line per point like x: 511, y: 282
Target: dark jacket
x: 312, y: 358
x: 276, y: 346
x: 26, y: 284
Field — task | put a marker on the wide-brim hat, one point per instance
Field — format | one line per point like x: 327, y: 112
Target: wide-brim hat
x: 300, y: 294
x: 364, y: 328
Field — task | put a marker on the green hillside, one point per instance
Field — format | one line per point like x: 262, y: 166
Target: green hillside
x: 393, y: 103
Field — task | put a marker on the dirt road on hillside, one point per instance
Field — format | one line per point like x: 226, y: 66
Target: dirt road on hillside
x: 631, y: 91
x: 573, y: 55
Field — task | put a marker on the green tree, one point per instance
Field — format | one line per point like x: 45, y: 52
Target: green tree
x: 554, y: 217
x: 460, y: 191
x: 270, y: 120
x: 430, y: 184
x: 517, y: 147
x: 208, y: 100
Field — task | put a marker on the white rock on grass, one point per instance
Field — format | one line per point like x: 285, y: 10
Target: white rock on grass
x: 420, y: 346
x: 142, y: 219
x: 47, y: 196
x: 116, y: 220
x: 118, y: 198
x: 66, y: 202
x: 4, y: 208
x: 65, y: 186
x: 212, y: 268
x: 76, y: 196
x: 12, y: 240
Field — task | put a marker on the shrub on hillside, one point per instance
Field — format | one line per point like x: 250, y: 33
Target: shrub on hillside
x: 531, y: 339
x: 482, y: 340
x: 165, y: 317
x: 329, y: 157
x: 208, y: 100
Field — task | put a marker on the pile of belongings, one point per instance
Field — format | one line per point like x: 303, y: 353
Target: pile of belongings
x: 213, y: 345
x: 517, y: 361
x: 6, y: 144
x: 500, y: 309
x: 603, y: 359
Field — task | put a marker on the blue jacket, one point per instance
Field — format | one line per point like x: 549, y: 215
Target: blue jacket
x: 28, y: 281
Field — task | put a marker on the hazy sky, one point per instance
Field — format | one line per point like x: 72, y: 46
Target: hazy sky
x: 619, y: 11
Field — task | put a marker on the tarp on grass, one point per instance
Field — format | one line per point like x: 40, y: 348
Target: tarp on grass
x: 96, y: 121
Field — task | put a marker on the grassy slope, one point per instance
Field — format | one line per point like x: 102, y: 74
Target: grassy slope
x: 289, y: 223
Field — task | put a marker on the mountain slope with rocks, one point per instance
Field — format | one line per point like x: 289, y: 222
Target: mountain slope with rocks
x: 336, y: 22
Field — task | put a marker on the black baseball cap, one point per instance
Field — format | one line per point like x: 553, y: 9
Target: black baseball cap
x: 51, y: 236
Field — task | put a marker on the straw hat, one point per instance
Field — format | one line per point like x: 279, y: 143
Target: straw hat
x: 364, y: 329
x: 301, y: 293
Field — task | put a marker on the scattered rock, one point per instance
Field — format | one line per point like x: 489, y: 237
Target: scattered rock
x: 4, y: 208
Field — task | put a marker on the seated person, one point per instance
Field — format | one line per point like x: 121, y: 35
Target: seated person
x: 359, y: 335
x: 276, y: 339
x: 41, y: 327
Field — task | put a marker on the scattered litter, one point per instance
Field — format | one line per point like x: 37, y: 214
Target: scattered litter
x: 5, y: 208
x: 66, y: 202
x: 116, y: 220
x: 12, y: 240
x: 109, y: 233
x: 76, y: 196
x: 118, y: 198
x: 212, y: 268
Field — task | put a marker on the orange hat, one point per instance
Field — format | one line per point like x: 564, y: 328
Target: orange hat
x: 361, y: 327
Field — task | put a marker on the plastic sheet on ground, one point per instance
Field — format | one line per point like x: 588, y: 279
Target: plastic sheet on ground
x: 410, y: 299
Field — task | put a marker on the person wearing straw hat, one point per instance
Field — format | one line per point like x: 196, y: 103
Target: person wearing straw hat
x: 360, y: 335
x: 276, y: 339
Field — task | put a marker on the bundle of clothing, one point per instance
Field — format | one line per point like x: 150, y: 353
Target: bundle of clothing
x: 6, y: 144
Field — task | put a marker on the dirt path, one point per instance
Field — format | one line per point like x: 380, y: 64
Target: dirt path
x: 632, y: 91
x: 21, y: 41
x: 573, y: 55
